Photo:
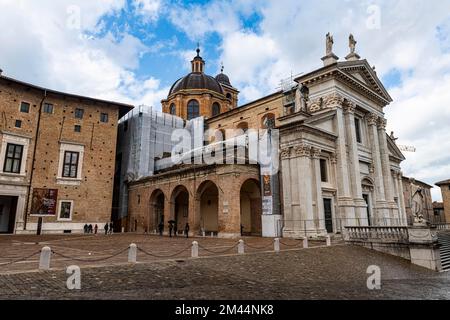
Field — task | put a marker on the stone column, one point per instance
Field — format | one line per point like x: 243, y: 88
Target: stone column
x: 345, y: 199
x: 386, y: 167
x: 401, y: 198
x: 304, y: 181
x: 319, y: 214
x: 355, y: 175
x: 287, y: 190
x: 381, y: 211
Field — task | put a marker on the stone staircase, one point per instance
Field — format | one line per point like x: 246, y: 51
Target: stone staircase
x: 444, y: 241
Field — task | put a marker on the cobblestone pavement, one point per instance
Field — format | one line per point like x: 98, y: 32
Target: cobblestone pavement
x: 89, y: 250
x: 337, y: 272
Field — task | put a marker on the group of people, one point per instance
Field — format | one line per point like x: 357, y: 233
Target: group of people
x: 173, y: 228
x: 109, y: 227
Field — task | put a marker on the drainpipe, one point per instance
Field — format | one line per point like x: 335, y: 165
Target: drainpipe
x: 36, y: 139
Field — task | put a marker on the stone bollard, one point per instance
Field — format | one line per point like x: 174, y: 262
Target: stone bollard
x: 203, y: 233
x: 276, y: 245
x: 328, y: 240
x: 132, y: 253
x: 212, y: 234
x: 241, y: 247
x: 44, y: 260
x: 305, y: 242
x: 123, y: 229
x: 194, y: 250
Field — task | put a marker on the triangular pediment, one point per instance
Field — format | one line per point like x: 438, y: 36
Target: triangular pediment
x: 361, y: 71
x: 393, y: 149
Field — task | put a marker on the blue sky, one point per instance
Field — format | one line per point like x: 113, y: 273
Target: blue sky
x: 133, y: 50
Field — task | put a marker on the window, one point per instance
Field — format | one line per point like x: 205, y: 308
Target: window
x: 104, y: 117
x: 48, y: 108
x: 18, y: 124
x: 25, y: 107
x: 70, y: 167
x: 13, y: 159
x: 229, y: 96
x: 193, y: 110
x: 77, y: 128
x: 65, y: 210
x: 172, y: 109
x: 79, y: 113
x: 268, y: 121
x: 358, y: 130
x: 215, y: 109
x: 323, y: 170
x: 243, y: 126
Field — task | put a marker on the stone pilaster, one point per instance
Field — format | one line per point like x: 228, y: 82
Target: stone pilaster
x: 381, y: 210
x: 345, y: 199
x: 355, y: 176
x: 386, y: 167
x: 319, y: 215
x: 287, y: 190
x: 401, y: 198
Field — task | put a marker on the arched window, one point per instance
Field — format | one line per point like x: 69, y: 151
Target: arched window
x: 172, y: 109
x: 193, y: 109
x: 229, y: 96
x: 243, y: 126
x: 268, y: 121
x: 215, y: 109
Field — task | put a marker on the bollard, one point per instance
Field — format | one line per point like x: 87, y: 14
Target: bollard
x: 44, y: 260
x: 212, y: 234
x: 328, y: 241
x: 305, y: 242
x: 204, y: 233
x: 123, y: 229
x: 194, y: 250
x: 132, y: 253
x: 241, y: 247
x: 276, y: 245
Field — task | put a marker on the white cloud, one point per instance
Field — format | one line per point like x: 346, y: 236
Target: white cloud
x: 47, y: 43
x: 411, y: 38
x: 148, y: 9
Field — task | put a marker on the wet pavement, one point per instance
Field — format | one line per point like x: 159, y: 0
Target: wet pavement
x: 336, y: 272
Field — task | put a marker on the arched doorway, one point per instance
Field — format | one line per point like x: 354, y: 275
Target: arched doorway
x: 156, y: 210
x: 180, y: 207
x: 251, y: 208
x: 208, y: 204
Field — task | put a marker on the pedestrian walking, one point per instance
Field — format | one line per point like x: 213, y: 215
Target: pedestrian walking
x: 90, y: 228
x: 85, y: 228
x: 186, y: 230
x: 95, y: 229
x: 111, y: 228
x: 106, y: 229
x: 170, y: 229
x: 161, y: 228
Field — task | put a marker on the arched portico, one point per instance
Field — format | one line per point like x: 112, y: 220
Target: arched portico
x: 156, y: 206
x: 251, y: 208
x: 179, y: 201
x: 207, y: 204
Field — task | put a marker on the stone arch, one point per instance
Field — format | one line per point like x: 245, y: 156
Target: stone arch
x: 243, y: 126
x: 207, y: 204
x: 268, y: 121
x: 179, y: 206
x: 156, y: 208
x: 251, y: 208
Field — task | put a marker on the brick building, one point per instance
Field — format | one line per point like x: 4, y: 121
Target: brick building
x: 445, y: 190
x: 57, y: 157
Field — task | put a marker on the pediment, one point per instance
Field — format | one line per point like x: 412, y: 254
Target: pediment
x: 361, y: 71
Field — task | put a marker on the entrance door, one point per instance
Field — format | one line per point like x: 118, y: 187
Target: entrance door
x: 328, y: 215
x: 8, y: 207
x: 366, y: 199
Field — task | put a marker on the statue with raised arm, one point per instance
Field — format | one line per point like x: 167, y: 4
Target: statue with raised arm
x: 352, y: 43
x: 329, y: 45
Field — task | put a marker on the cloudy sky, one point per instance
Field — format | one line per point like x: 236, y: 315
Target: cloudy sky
x: 133, y: 50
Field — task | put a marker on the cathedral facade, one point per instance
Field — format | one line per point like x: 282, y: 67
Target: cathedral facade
x: 337, y: 166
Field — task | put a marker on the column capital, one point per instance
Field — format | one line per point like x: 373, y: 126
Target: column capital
x: 285, y: 153
x: 382, y: 122
x: 334, y: 100
x: 333, y: 158
x: 349, y: 106
x: 372, y: 119
x: 315, y: 153
x: 302, y: 150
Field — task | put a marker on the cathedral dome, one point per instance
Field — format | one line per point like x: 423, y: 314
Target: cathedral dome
x: 223, y: 78
x: 196, y: 80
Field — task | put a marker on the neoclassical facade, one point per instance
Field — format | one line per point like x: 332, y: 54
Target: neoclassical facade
x: 338, y: 167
